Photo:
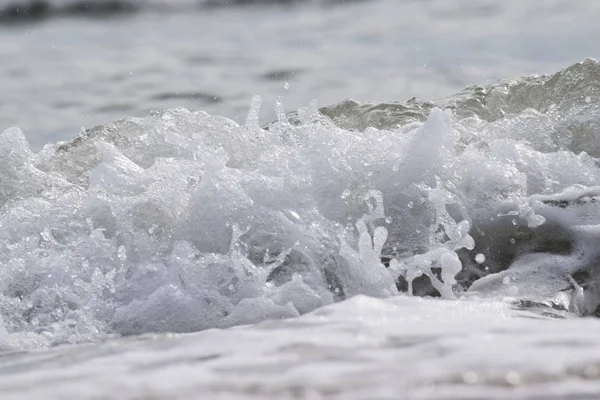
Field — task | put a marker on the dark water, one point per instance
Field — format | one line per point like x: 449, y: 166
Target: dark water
x: 66, y: 65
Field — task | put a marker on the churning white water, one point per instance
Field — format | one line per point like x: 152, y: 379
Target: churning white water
x: 183, y: 221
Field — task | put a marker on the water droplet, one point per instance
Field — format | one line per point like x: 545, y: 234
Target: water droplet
x: 345, y: 194
x: 514, y: 222
x: 295, y: 215
x: 513, y: 378
x: 512, y: 241
x: 286, y: 85
x: 588, y: 99
x: 410, y: 204
x: 506, y: 280
x: 479, y: 258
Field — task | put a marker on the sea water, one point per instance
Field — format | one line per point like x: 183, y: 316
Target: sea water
x: 422, y: 249
x: 183, y: 221
x: 71, y: 63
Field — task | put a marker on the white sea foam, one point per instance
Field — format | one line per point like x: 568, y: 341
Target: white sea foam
x: 183, y: 221
x: 363, y: 348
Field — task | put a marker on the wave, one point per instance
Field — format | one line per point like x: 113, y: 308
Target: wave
x: 182, y: 221
x: 12, y: 11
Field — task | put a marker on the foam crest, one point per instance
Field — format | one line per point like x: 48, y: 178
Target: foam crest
x: 182, y: 221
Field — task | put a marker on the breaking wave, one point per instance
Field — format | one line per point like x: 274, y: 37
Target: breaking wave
x: 14, y: 11
x: 183, y: 221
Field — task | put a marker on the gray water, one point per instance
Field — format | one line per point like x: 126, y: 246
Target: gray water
x: 67, y: 71
x: 185, y: 221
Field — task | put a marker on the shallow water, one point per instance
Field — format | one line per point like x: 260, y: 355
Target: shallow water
x: 315, y: 229
x: 363, y: 348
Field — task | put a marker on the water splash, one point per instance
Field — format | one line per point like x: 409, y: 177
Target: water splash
x: 185, y: 221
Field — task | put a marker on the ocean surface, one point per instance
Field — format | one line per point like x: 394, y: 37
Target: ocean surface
x: 67, y: 64
x: 299, y: 199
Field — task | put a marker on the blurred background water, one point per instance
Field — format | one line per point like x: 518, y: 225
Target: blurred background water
x: 67, y: 64
x: 181, y: 222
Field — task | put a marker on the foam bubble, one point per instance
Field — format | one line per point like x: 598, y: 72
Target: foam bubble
x: 182, y: 221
